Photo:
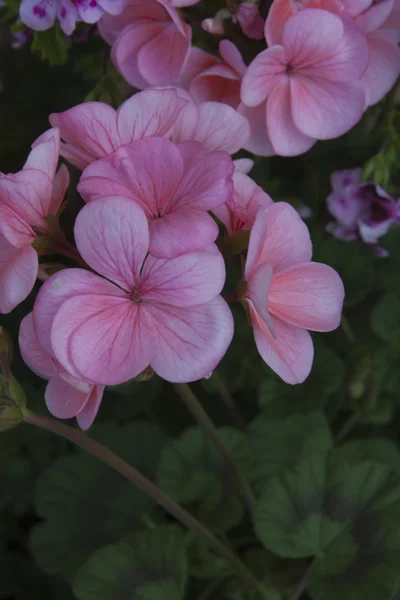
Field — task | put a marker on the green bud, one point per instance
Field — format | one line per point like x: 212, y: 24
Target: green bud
x: 237, y: 242
x: 12, y: 404
x: 145, y: 375
x: 43, y: 244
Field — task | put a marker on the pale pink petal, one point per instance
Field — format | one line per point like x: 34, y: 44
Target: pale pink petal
x: 112, y: 236
x: 39, y: 15
x: 250, y: 20
x: 145, y: 12
x: 346, y: 205
x: 126, y: 49
x: 149, y: 113
x: 44, y: 153
x: 243, y: 165
x: 262, y: 75
x: 89, y: 412
x: 231, y: 55
x: 384, y: 66
x: 258, y: 288
x: 279, y: 238
x: 286, y: 138
x: 195, y: 278
x: 182, y: 3
x: 198, y: 60
x: 308, y: 295
x: 341, y: 179
x: 279, y: 13
x: 67, y: 15
x: 89, y: 11
x: 32, y: 352
x: 64, y: 400
x: 258, y: 142
x: 290, y: 355
x: 112, y: 7
x: 29, y: 194
x: 14, y: 227
x: 106, y: 339
x: 61, y: 286
x: 106, y: 177
x: 192, y: 341
x: 324, y: 109
x: 60, y: 185
x: 89, y: 128
x: 375, y: 16
x: 182, y: 231
x: 18, y: 272
x: 218, y: 83
x: 161, y: 60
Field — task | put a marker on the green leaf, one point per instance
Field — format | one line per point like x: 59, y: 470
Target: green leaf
x: 379, y: 450
x: 344, y: 514
x: 203, y: 564
x: 192, y: 471
x: 144, y: 566
x: 52, y: 45
x: 385, y: 319
x: 86, y: 504
x: 279, y: 444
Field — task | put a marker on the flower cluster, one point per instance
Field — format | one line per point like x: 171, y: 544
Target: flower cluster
x: 156, y: 176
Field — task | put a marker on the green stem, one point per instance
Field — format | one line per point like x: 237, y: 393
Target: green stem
x: 228, y: 400
x: 195, y: 407
x: 149, y: 488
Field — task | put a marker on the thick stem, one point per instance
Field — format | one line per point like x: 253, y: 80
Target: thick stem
x: 195, y: 407
x: 149, y: 488
x: 228, y: 400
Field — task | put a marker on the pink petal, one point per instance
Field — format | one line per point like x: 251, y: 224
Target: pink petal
x: 198, y: 60
x: 39, y: 15
x: 243, y: 165
x: 149, y: 113
x: 290, y: 355
x: 192, y: 341
x: 279, y: 238
x: 112, y: 7
x: 32, y: 352
x: 161, y: 60
x: 182, y: 231
x: 29, y: 194
x: 324, y: 109
x: 14, y: 227
x: 262, y: 75
x: 384, y: 66
x: 67, y: 15
x: 346, y: 206
x: 60, y: 185
x: 89, y: 412
x: 279, y: 13
x: 195, y: 278
x: 250, y: 20
x: 118, y: 340
x: 341, y: 179
x: 126, y: 49
x: 18, y: 271
x: 64, y: 400
x: 89, y: 11
x: 61, y: 286
x: 218, y: 83
x: 308, y: 295
x: 231, y: 55
x: 375, y: 16
x: 88, y: 128
x: 44, y: 153
x: 258, y: 288
x: 259, y: 142
x: 286, y: 138
x: 112, y: 236
x: 142, y: 11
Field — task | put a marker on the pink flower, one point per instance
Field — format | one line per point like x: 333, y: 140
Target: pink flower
x: 174, y: 184
x: 150, y: 43
x: 286, y: 294
x: 208, y: 78
x: 141, y: 311
x: 379, y: 22
x: 26, y: 199
x: 93, y: 130
x: 66, y: 397
x: 250, y: 20
x: 41, y: 14
x: 240, y: 211
x: 311, y: 83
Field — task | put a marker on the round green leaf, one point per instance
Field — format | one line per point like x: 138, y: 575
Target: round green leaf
x: 379, y: 450
x: 144, y: 566
x: 385, y: 318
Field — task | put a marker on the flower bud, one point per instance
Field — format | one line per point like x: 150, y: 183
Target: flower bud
x: 12, y: 404
x: 145, y: 375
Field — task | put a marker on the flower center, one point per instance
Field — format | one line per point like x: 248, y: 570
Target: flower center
x: 136, y: 295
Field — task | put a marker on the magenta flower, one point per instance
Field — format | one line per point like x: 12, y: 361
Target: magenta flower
x: 150, y: 43
x: 93, y: 130
x: 66, y: 397
x: 140, y: 311
x: 363, y: 210
x: 175, y: 185
x: 240, y: 211
x: 286, y: 294
x: 26, y: 199
x: 311, y: 82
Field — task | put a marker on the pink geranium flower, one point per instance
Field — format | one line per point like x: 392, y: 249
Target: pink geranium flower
x: 174, y: 184
x: 66, y: 396
x: 93, y: 130
x: 139, y: 311
x: 150, y: 43
x: 26, y: 198
x: 311, y: 82
x: 240, y: 211
x: 208, y: 78
x: 286, y: 294
x: 41, y: 14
